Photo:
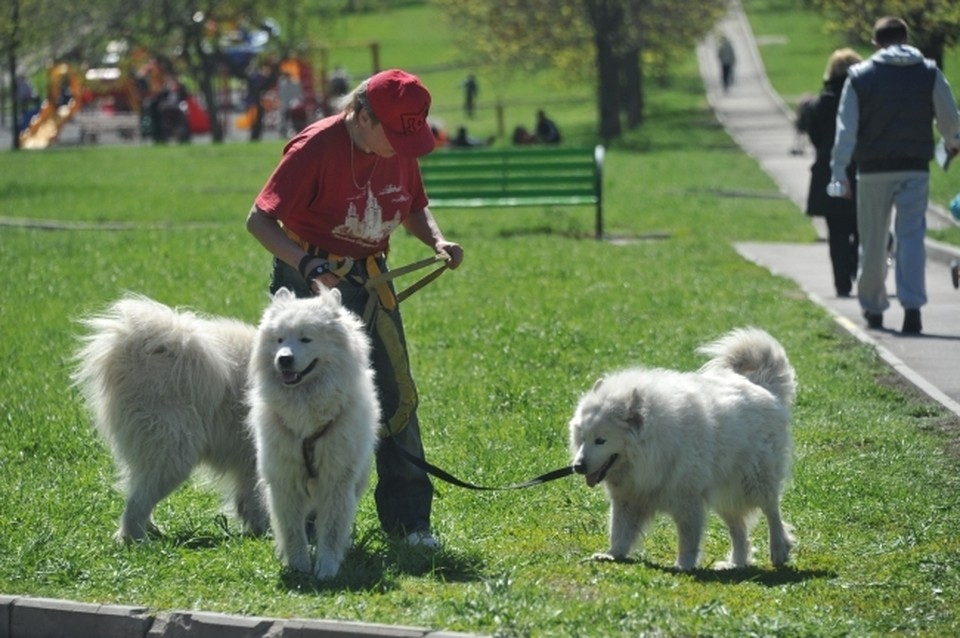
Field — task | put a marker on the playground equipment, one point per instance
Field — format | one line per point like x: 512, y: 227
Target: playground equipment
x: 108, y: 90
x: 62, y: 103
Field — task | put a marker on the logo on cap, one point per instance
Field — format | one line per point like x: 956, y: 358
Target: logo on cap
x: 411, y: 123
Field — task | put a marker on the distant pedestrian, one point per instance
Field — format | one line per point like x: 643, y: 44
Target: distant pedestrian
x: 840, y: 214
x: 259, y: 80
x: 290, y: 94
x: 339, y: 82
x: 728, y: 60
x: 885, y: 124
x: 470, y: 90
x: 801, y: 122
x: 546, y: 130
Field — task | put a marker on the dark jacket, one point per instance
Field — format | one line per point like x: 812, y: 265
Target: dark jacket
x: 896, y: 113
x: 821, y: 129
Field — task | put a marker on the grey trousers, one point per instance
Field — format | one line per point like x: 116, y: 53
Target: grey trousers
x: 878, y: 194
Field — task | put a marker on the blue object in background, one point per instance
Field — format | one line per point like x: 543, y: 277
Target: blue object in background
x: 955, y: 207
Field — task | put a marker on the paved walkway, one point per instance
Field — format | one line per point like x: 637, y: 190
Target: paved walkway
x: 761, y: 123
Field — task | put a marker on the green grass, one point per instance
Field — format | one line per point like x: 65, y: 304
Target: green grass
x: 501, y: 349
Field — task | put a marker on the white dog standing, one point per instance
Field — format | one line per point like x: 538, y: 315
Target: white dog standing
x: 680, y: 443
x: 314, y: 411
x: 165, y: 389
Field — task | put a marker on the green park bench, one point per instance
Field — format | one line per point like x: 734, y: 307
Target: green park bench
x: 541, y: 176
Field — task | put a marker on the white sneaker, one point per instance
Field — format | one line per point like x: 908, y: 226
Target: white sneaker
x: 423, y: 539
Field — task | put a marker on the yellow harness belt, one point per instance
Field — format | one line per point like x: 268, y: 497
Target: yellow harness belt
x: 376, y: 279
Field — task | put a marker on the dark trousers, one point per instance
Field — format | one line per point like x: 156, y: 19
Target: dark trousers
x: 844, y: 248
x: 404, y: 493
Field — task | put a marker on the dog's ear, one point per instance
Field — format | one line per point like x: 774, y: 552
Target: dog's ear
x: 635, y: 411
x: 283, y: 294
x: 596, y: 386
x: 334, y: 295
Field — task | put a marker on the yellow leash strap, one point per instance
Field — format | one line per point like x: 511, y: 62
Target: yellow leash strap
x: 378, y: 282
x: 339, y: 266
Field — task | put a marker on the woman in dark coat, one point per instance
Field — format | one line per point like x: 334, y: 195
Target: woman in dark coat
x: 839, y: 213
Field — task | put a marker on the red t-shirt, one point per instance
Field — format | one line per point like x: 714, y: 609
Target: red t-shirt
x: 347, y: 206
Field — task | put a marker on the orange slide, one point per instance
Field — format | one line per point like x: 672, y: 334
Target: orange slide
x: 46, y: 125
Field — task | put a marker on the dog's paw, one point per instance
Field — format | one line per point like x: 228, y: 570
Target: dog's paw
x: 327, y: 568
x: 137, y: 533
x: 607, y: 557
x: 300, y: 563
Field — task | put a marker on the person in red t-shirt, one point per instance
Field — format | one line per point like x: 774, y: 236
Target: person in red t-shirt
x: 344, y: 184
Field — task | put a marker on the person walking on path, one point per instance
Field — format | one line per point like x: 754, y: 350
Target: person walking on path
x: 840, y: 214
x: 885, y: 124
x: 344, y: 184
x: 728, y: 59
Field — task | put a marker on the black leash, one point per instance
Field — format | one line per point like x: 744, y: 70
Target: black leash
x: 381, y: 279
x: 450, y: 478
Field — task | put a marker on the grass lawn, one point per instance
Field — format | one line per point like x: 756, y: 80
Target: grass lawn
x: 502, y: 349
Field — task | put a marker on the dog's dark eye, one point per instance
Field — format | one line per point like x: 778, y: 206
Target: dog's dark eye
x: 305, y: 339
x: 599, y: 441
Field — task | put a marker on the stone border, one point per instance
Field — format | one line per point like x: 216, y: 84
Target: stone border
x: 27, y: 617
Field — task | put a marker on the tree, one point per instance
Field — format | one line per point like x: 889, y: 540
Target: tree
x: 10, y: 36
x: 934, y: 24
x: 193, y: 29
x: 614, y: 38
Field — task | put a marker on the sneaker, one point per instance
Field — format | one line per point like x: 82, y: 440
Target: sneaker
x: 911, y: 321
x: 422, y: 538
x: 874, y: 319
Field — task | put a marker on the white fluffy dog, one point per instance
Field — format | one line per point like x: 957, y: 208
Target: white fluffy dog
x: 314, y: 411
x: 680, y: 443
x: 165, y: 389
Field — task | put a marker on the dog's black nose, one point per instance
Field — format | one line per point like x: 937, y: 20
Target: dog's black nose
x: 285, y: 361
x: 580, y: 467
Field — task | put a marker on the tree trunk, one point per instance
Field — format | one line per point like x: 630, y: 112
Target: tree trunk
x: 608, y: 90
x: 12, y: 67
x: 207, y: 71
x: 633, y: 88
x: 205, y: 68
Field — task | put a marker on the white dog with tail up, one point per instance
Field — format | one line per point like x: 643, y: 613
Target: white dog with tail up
x: 685, y: 442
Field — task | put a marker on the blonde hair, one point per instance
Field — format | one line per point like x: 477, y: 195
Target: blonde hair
x: 840, y: 61
x: 356, y: 101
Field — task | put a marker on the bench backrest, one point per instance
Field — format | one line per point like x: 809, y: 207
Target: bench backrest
x: 572, y: 174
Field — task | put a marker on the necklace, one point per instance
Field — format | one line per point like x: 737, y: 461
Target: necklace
x: 353, y: 170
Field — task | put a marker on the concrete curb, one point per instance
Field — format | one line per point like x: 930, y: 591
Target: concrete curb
x: 25, y: 617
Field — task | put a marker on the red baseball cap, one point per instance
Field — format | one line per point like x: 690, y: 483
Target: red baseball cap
x: 401, y: 103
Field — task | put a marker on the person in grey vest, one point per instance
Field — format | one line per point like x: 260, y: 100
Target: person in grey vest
x: 885, y: 124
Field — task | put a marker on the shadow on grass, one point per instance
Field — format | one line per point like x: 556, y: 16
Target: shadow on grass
x: 378, y: 566
x: 765, y: 577
x: 752, y: 574
x: 202, y: 535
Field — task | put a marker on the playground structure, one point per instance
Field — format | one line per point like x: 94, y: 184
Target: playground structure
x: 105, y: 90
x: 109, y: 98
x: 61, y: 104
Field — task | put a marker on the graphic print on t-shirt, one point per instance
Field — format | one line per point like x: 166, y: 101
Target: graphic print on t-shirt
x: 370, y: 228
